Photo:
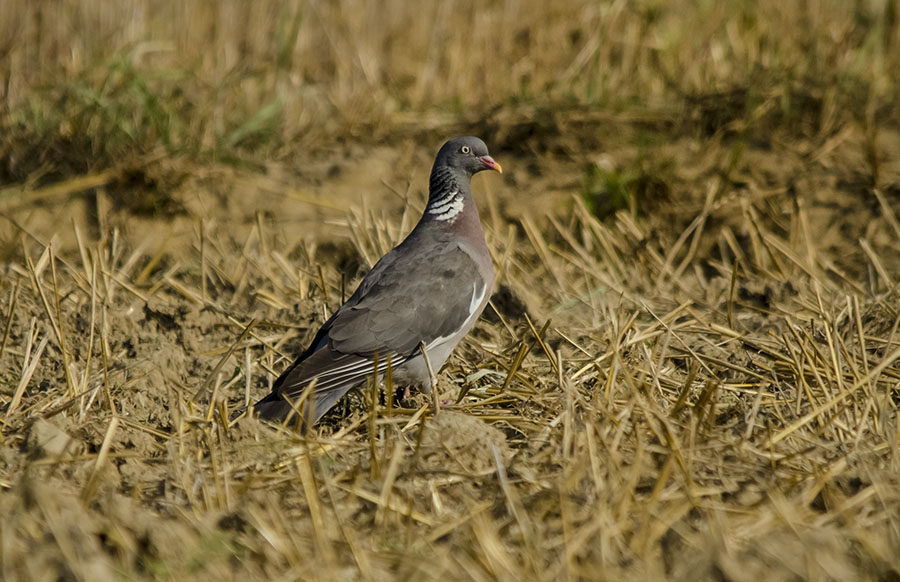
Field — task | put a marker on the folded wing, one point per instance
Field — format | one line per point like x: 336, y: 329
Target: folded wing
x: 407, y: 298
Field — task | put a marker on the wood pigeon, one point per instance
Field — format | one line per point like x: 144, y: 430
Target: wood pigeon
x: 431, y: 288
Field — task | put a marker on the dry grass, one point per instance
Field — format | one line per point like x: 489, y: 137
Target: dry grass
x: 690, y: 369
x: 86, y: 83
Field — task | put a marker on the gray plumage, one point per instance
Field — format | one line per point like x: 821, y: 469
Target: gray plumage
x: 430, y: 288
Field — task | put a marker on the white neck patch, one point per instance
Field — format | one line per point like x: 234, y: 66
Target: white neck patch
x: 447, y: 207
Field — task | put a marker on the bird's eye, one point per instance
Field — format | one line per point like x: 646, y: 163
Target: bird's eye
x: 465, y: 149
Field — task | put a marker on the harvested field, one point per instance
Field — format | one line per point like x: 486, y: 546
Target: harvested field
x: 689, y: 370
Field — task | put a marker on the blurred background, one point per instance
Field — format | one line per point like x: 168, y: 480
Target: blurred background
x: 84, y: 83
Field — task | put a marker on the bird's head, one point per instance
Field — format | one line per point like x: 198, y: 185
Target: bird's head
x: 468, y: 155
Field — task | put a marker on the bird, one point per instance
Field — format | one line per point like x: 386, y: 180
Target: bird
x: 427, y: 291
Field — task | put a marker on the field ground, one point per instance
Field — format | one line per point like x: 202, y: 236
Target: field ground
x: 690, y: 369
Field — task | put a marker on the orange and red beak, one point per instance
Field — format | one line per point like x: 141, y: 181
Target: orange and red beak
x: 490, y: 164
